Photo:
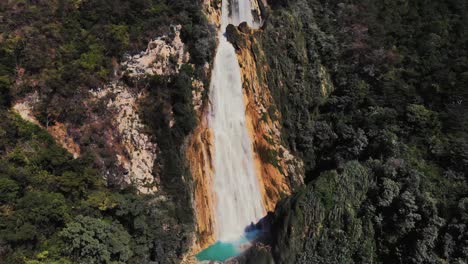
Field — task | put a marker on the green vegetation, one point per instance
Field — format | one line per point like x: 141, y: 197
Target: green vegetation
x: 67, y: 47
x: 168, y: 113
x: 268, y: 155
x: 386, y: 149
x: 372, y: 96
x: 56, y: 209
x: 94, y: 241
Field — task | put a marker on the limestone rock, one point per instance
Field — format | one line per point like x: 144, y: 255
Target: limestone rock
x: 59, y: 131
x: 140, y: 151
x: 163, y: 56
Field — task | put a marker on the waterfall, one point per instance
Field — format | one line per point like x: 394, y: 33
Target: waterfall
x: 236, y: 187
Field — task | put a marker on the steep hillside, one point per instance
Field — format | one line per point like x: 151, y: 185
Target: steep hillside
x: 356, y: 110
x: 373, y: 98
x: 115, y: 84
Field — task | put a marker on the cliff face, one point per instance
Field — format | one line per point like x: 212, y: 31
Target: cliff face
x: 199, y: 150
x: 126, y: 153
x: 199, y: 155
x: 163, y: 56
x: 136, y: 151
x: 212, y: 10
x: 278, y: 171
x: 114, y: 131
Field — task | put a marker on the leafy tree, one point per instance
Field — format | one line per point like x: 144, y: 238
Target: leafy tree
x: 8, y: 190
x: 93, y: 240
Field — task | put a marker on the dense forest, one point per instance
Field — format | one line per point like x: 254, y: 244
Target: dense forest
x: 56, y: 209
x: 386, y: 144
x: 372, y: 95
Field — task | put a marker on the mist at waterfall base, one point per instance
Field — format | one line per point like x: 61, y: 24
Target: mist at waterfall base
x: 224, y: 250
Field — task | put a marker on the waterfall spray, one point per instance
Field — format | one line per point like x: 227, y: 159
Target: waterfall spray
x: 236, y: 187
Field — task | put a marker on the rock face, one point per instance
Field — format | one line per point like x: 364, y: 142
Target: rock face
x: 212, y: 10
x: 163, y: 56
x: 198, y: 150
x: 139, y: 153
x: 58, y: 130
x: 117, y: 131
x: 278, y: 169
x: 326, y: 85
x: 199, y: 155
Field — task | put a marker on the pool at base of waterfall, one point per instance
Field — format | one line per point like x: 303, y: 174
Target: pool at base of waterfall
x: 224, y: 250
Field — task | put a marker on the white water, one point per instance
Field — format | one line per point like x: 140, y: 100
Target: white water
x: 236, y: 187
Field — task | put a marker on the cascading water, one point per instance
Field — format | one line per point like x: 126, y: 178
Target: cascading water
x: 237, y: 193
x: 236, y: 187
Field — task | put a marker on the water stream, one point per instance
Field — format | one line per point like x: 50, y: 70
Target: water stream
x: 236, y: 187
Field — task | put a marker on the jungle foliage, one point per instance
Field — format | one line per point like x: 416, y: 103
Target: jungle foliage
x: 56, y: 209
x: 373, y: 97
x: 64, y: 48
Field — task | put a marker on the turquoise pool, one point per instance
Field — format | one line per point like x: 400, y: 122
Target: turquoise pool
x: 224, y: 250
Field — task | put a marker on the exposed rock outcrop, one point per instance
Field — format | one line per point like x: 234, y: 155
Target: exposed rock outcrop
x: 326, y: 85
x: 199, y: 155
x: 163, y: 56
x: 199, y: 149
x: 212, y: 9
x: 139, y: 153
x: 278, y: 169
x: 59, y: 131
x: 113, y: 129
